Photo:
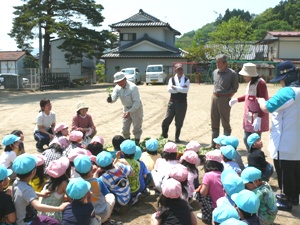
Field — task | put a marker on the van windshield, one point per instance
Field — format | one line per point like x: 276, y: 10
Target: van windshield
x: 129, y: 71
x: 154, y: 69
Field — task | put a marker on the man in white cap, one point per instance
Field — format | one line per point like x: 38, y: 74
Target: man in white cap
x: 132, y: 105
x: 178, y: 86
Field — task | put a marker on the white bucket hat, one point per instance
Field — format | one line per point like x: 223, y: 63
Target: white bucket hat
x: 119, y: 76
x: 249, y: 69
x: 81, y: 105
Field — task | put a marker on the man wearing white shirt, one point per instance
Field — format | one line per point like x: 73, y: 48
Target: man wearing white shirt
x: 178, y: 86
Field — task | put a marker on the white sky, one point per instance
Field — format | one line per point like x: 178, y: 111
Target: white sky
x: 182, y: 15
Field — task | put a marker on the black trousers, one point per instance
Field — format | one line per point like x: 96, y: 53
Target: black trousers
x: 288, y: 172
x: 177, y: 110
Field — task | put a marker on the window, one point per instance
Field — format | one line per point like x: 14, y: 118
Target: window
x: 128, y: 37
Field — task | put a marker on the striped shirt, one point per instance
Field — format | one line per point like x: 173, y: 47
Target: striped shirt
x: 117, y: 182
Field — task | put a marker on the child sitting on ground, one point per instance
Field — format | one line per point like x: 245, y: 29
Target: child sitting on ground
x: 247, y: 204
x: 75, y: 138
x: 191, y: 160
x: 180, y: 173
x: 96, y: 145
x: 228, y: 154
x: 150, y: 156
x: 81, y: 210
x: 7, y: 207
x: 38, y: 181
x: 103, y: 201
x: 234, y: 142
x: 116, y: 142
x: 257, y: 158
x: 115, y: 178
x: 11, y: 143
x: 267, y: 210
x: 218, y: 141
x: 211, y: 188
x: 20, y: 134
x: 224, y: 212
x: 163, y: 165
x: 128, y: 149
x: 144, y: 175
x: 59, y: 174
x: 171, y: 208
x: 24, y: 197
x: 61, y: 130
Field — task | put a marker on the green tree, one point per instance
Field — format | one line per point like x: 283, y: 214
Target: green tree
x: 100, y: 72
x: 233, y: 38
x: 201, y: 53
x: 30, y: 62
x: 202, y: 35
x: 71, y: 20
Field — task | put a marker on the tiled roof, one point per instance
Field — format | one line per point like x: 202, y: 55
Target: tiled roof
x: 142, y: 54
x: 152, y: 40
x: 285, y: 33
x: 11, y: 55
x: 133, y: 22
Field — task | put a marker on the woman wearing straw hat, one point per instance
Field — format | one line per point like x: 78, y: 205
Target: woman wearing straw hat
x: 255, y: 120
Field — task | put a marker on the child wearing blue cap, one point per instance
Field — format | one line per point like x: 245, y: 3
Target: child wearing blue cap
x: 25, y: 198
x: 144, y: 175
x: 115, y: 177
x: 150, y: 156
x: 81, y: 210
x: 267, y: 211
x: 234, y: 142
x: 247, y: 204
x: 228, y: 154
x: 11, y: 143
x: 257, y: 158
x: 102, y: 199
x: 128, y: 148
x: 218, y: 141
x: 232, y: 184
x: 7, y: 207
x: 224, y: 212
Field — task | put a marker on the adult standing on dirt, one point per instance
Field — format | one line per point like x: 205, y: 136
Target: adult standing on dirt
x: 132, y: 105
x: 284, y: 135
x: 225, y: 85
x: 178, y: 86
x: 255, y: 120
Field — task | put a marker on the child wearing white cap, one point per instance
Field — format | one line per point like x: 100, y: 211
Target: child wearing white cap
x: 267, y: 210
x: 171, y: 208
x: 7, y: 207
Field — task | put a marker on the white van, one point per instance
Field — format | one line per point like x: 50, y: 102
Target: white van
x: 155, y: 74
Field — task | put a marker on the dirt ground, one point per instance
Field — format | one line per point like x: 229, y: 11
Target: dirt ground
x: 19, y: 110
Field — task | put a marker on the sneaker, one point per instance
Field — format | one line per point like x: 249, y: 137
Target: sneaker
x: 112, y: 222
x: 135, y: 199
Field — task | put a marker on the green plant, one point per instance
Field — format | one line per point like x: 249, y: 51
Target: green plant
x: 109, y: 91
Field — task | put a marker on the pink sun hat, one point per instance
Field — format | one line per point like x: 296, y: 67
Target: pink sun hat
x: 193, y: 146
x: 170, y: 147
x: 191, y: 157
x: 98, y: 139
x: 78, y: 151
x: 57, y: 168
x: 214, y: 156
x: 40, y: 159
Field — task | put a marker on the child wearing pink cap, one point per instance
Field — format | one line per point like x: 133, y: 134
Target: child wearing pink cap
x: 75, y: 138
x: 163, y: 165
x: 180, y: 173
x: 211, y: 188
x: 96, y: 145
x: 191, y: 160
x: 171, y: 208
x: 59, y: 173
x: 38, y: 181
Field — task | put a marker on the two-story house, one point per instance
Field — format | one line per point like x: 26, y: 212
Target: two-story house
x: 143, y: 40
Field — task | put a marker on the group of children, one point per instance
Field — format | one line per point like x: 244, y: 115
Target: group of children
x: 72, y: 182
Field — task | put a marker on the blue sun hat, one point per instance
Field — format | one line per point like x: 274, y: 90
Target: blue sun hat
x: 83, y: 164
x: 138, y: 153
x: 24, y: 163
x: 104, y: 159
x: 228, y: 151
x: 233, y: 221
x: 250, y: 174
x: 128, y: 147
x: 247, y: 201
x: 232, y: 184
x: 10, y: 139
x: 230, y: 140
x: 152, y: 145
x: 77, y: 188
x: 252, y: 138
x: 219, y: 139
x: 4, y: 172
x: 223, y: 213
x: 283, y: 68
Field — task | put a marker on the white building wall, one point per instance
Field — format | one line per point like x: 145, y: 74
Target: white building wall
x: 59, y: 64
x: 289, y: 49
